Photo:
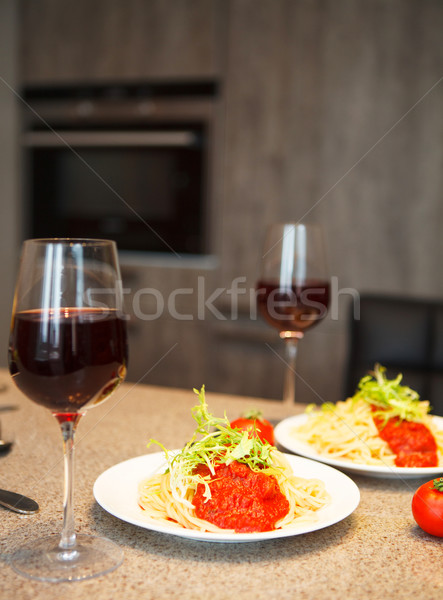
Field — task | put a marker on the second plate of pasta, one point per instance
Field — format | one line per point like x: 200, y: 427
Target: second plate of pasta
x: 286, y: 436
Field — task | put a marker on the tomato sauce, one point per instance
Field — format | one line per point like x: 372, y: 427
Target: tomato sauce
x: 413, y: 443
x: 241, y: 499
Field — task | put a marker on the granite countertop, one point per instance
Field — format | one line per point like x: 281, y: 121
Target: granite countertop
x: 376, y: 552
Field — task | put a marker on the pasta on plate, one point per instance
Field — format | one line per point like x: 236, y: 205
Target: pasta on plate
x: 354, y: 429
x: 348, y: 432
x: 170, y: 497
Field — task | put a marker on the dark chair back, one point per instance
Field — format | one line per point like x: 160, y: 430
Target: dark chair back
x: 403, y: 335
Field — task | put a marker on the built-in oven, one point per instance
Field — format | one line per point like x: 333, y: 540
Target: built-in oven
x: 128, y: 162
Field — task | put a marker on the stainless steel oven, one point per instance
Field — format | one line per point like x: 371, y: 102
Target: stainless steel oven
x: 132, y: 163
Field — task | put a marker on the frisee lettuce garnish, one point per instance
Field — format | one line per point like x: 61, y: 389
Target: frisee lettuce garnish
x: 392, y: 398
x: 214, y: 441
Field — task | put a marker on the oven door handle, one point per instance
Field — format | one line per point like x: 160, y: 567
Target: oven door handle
x: 57, y: 139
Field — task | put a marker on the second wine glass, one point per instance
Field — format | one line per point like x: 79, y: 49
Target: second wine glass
x: 293, y: 290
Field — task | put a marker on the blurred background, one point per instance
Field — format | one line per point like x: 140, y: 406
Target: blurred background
x: 326, y: 111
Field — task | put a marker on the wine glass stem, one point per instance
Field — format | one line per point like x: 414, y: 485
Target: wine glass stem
x: 68, y: 537
x: 289, y: 380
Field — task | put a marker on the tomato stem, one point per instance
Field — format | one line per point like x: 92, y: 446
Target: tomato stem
x: 253, y: 414
x: 438, y: 484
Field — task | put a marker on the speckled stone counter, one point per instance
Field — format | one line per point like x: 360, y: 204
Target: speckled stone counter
x: 377, y: 552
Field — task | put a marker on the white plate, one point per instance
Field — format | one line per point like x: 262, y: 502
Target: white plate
x: 116, y: 491
x: 285, y: 436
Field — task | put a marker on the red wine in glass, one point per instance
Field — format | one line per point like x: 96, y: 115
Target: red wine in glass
x: 296, y: 308
x: 55, y: 352
x: 68, y: 353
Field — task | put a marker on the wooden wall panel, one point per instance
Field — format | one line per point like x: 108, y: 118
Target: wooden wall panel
x: 79, y: 40
x: 10, y: 177
x: 255, y: 97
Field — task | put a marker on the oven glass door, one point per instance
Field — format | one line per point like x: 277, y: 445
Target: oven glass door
x: 144, y: 189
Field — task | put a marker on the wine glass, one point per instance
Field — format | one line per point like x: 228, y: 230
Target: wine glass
x: 293, y: 289
x: 68, y: 352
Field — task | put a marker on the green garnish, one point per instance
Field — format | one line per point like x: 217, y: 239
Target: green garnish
x: 392, y: 398
x: 220, y: 443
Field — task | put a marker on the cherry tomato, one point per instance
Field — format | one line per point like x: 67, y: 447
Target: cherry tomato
x: 253, y: 421
x: 427, y: 507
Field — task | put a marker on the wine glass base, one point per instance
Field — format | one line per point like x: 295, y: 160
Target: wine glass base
x: 44, y: 560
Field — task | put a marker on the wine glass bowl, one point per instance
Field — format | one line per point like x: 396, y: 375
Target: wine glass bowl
x: 68, y: 352
x: 293, y: 289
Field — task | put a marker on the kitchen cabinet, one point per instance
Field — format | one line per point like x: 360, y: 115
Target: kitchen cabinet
x: 169, y: 336
x: 65, y: 41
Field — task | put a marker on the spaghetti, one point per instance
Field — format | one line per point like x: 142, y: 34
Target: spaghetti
x: 168, y: 497
x: 352, y: 430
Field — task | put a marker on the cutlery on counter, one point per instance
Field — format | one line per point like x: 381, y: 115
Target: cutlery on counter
x: 18, y: 503
x: 5, y: 446
x: 7, y: 407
